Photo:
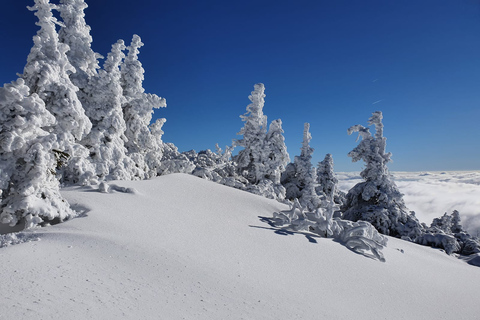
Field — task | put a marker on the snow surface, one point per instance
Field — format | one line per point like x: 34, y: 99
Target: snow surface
x: 180, y: 247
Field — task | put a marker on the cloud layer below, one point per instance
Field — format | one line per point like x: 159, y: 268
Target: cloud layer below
x: 431, y: 194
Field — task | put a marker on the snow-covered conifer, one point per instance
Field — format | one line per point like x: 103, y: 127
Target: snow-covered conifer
x: 104, y: 108
x: 444, y: 223
x: 377, y: 199
x: 29, y: 191
x: 298, y: 172
x: 309, y: 197
x: 76, y: 34
x: 264, y: 156
x: 138, y: 108
x: 249, y: 160
x: 299, y: 178
x: 47, y: 74
x: 447, y: 233
x: 277, y: 154
x: 327, y: 180
x: 456, y: 226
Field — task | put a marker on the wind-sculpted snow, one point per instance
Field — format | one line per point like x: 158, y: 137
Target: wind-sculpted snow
x: 360, y: 237
x: 187, y: 248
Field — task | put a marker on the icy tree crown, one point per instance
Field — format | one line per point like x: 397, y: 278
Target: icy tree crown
x: 255, y: 120
x: 371, y: 149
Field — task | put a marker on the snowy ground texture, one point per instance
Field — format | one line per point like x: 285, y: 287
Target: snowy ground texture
x: 179, y: 247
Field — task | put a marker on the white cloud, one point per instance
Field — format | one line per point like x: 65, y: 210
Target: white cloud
x: 431, y: 194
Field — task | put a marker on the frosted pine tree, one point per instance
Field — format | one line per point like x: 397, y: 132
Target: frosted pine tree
x: 456, y: 226
x: 303, y: 162
x: 447, y: 233
x: 29, y: 190
x: 299, y: 178
x: 104, y: 108
x: 264, y: 156
x: 249, y: 160
x: 327, y: 180
x: 377, y: 199
x: 138, y: 108
x: 76, y: 34
x: 276, y: 150
x: 47, y: 74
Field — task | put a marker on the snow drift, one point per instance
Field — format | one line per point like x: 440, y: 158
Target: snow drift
x: 180, y: 247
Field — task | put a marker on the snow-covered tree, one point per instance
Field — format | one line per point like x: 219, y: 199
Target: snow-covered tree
x: 216, y: 166
x: 298, y: 172
x: 299, y: 177
x: 138, y: 108
x: 29, y: 190
x: 377, y: 199
x: 327, y: 180
x: 276, y: 152
x: 456, y: 226
x: 249, y: 160
x: 106, y: 140
x: 444, y: 223
x: 76, y: 34
x: 47, y: 74
x: 447, y: 233
x: 264, y: 156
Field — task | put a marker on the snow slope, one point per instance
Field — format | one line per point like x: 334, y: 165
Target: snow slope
x: 179, y: 247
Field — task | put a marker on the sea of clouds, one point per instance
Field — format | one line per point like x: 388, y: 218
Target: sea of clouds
x: 431, y: 194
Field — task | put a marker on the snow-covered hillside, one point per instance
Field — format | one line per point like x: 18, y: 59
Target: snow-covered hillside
x: 179, y: 247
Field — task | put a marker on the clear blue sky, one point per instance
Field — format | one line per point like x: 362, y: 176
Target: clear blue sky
x: 331, y: 63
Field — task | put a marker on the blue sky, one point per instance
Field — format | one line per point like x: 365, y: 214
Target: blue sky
x: 330, y: 63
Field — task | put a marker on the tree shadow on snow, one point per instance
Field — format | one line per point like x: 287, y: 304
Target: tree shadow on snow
x: 284, y: 231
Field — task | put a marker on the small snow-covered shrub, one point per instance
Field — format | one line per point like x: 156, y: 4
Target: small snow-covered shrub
x: 439, y: 240
x: 447, y: 233
x: 11, y: 239
x: 173, y: 161
x: 360, y: 236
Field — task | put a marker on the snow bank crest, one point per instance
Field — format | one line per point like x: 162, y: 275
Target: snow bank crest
x: 16, y: 238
